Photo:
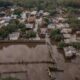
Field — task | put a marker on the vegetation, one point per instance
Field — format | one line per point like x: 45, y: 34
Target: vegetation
x: 76, y: 45
x: 9, y: 78
x: 30, y: 34
x: 56, y: 35
x: 61, y: 45
x: 18, y: 12
x: 74, y: 23
x: 13, y: 26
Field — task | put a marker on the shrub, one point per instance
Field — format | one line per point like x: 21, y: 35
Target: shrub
x: 61, y: 45
x: 31, y: 34
x: 56, y: 35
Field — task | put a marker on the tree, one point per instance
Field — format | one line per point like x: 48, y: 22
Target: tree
x: 11, y: 28
x: 74, y: 23
x: 56, y: 35
x: 3, y: 33
x: 76, y: 45
x: 14, y: 21
x: 18, y: 12
x: 61, y: 45
x: 31, y: 34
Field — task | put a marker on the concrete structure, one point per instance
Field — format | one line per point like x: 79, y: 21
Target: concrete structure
x: 14, y: 36
x: 69, y: 51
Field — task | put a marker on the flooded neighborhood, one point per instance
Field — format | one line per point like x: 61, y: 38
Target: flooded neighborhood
x: 39, y: 40
x: 25, y: 61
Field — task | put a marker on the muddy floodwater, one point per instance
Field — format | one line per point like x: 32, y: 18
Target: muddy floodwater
x: 71, y: 67
x: 35, y: 55
x: 35, y: 58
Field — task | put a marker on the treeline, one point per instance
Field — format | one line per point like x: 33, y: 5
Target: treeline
x: 5, y: 3
x: 41, y: 4
x: 71, y: 3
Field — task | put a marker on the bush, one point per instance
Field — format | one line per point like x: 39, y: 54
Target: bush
x: 61, y: 45
x: 76, y: 45
x: 18, y: 12
x: 56, y: 35
x: 31, y: 34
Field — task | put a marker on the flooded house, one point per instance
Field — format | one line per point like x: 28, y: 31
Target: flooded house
x: 66, y: 30
x: 25, y: 61
x: 69, y: 52
x: 29, y: 26
x: 67, y: 36
x: 31, y: 19
x: 78, y: 35
x: 14, y: 36
x: 43, y: 32
x: 50, y: 27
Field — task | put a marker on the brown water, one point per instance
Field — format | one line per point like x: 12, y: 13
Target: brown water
x: 32, y: 53
x: 36, y: 70
x: 71, y: 67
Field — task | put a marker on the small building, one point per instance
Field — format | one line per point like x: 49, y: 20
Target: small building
x: 34, y: 13
x: 78, y: 36
x: 2, y: 14
x: 67, y: 41
x: 46, y: 14
x: 31, y: 19
x: 14, y: 36
x: 51, y: 27
x: 29, y: 26
x: 66, y: 30
x: 13, y: 16
x: 2, y: 22
x: 61, y: 19
x: 78, y: 33
x: 67, y: 36
x: 60, y: 25
x: 39, y: 21
x: 23, y: 15
x: 42, y: 33
x: 69, y: 52
x: 7, y: 18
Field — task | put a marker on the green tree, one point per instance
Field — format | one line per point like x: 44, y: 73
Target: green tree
x: 31, y: 34
x: 61, y: 45
x: 56, y: 35
x: 18, y: 12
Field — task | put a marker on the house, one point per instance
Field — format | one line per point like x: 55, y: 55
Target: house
x: 78, y: 33
x: 40, y: 13
x: 2, y: 14
x: 60, y: 26
x: 46, y: 14
x: 29, y: 26
x: 7, y: 18
x: 14, y: 36
x: 31, y: 19
x: 2, y: 22
x: 13, y: 16
x: 67, y: 36
x: 42, y: 33
x: 51, y: 27
x: 67, y: 41
x: 23, y: 15
x: 39, y: 21
x: 78, y: 36
x: 61, y: 19
x: 69, y: 52
x: 33, y: 12
x: 66, y: 30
